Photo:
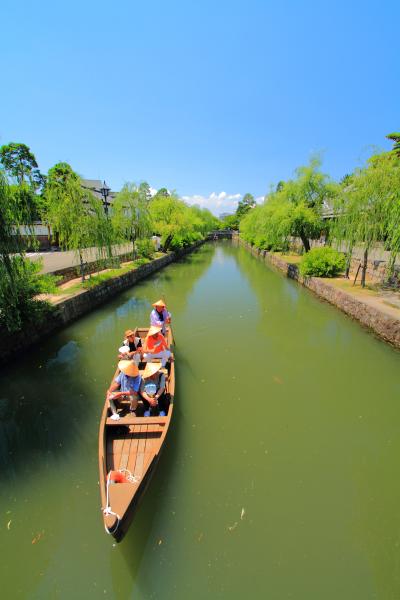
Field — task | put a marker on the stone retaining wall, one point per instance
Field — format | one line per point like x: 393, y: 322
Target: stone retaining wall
x: 72, y: 308
x: 385, y: 326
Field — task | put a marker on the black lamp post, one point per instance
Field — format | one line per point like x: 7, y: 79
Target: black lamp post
x: 105, y: 191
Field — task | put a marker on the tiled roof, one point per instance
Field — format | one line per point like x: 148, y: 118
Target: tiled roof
x: 95, y: 186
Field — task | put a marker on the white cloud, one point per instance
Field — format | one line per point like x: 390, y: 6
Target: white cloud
x: 217, y: 203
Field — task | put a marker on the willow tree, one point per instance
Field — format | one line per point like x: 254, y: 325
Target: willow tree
x: 310, y: 191
x: 68, y: 211
x: 10, y: 242
x: 131, y: 216
x: 388, y: 167
x: 367, y: 210
x: 265, y: 226
x: 271, y: 225
x: 20, y: 280
x: 204, y: 220
x: 173, y: 220
x: 102, y: 230
x: 294, y: 209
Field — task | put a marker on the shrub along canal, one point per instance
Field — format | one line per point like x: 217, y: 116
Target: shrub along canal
x: 280, y: 474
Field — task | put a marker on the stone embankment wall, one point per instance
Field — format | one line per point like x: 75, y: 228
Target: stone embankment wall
x: 72, y: 308
x: 385, y: 326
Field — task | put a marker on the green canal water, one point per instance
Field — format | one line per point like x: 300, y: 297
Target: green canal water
x: 280, y: 478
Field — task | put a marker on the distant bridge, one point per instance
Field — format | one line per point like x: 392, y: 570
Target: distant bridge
x: 220, y: 234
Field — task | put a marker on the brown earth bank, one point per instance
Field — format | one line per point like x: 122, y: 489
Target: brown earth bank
x: 67, y: 310
x: 379, y: 312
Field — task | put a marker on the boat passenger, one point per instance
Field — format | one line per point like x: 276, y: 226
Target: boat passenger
x: 152, y: 390
x: 155, y: 346
x: 131, y: 348
x: 159, y: 316
x: 126, y: 384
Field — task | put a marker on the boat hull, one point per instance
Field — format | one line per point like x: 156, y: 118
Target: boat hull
x: 130, y: 448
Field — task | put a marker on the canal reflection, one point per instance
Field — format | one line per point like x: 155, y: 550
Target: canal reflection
x: 41, y: 407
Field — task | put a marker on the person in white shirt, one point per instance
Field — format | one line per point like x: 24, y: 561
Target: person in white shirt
x: 159, y: 316
x: 132, y: 347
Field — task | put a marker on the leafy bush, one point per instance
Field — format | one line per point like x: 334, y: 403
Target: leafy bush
x: 145, y: 248
x: 20, y: 282
x: 322, y: 262
x: 180, y: 241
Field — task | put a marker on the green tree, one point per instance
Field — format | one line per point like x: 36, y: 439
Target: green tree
x: 176, y: 222
x: 231, y: 222
x: 131, y: 216
x: 368, y: 210
x: 72, y: 212
x: 395, y: 137
x: 163, y: 192
x: 346, y: 180
x: 271, y: 225
x: 60, y: 175
x: 27, y: 200
x: 20, y: 163
x: 245, y: 204
x: 145, y: 191
x: 103, y: 233
x: 20, y: 280
x: 206, y: 221
x: 311, y: 189
x: 293, y: 210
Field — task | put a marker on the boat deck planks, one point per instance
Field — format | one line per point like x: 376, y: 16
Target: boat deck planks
x: 126, y: 447
x: 132, y: 457
x: 140, y: 452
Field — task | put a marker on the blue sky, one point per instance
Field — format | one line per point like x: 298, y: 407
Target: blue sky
x: 213, y: 99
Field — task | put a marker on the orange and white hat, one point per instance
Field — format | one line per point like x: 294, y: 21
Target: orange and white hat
x: 153, y: 330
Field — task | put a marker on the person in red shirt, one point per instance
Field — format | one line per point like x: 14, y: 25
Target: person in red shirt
x: 155, y: 346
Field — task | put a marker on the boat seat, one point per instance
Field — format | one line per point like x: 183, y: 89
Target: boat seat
x: 131, y: 420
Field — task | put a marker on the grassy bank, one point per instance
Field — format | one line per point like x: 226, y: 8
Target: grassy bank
x: 77, y: 286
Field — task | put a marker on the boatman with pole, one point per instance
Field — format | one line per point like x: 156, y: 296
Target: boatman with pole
x: 159, y: 316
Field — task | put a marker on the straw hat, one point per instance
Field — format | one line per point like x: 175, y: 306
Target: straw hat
x: 128, y: 367
x: 153, y: 330
x: 129, y: 332
x: 159, y: 303
x: 151, y: 369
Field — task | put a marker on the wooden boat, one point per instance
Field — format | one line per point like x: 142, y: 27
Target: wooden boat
x: 130, y: 448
